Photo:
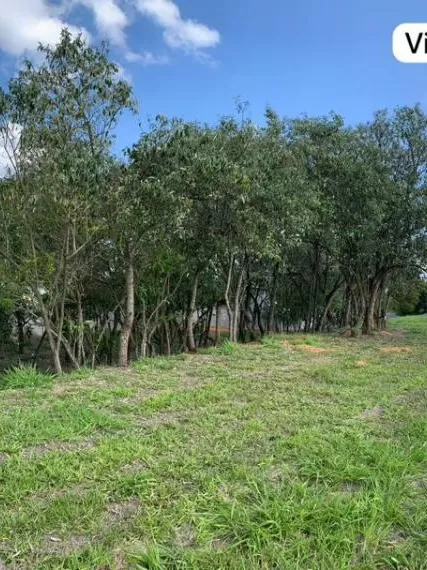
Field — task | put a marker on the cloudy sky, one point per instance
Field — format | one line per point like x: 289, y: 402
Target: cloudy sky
x: 192, y: 58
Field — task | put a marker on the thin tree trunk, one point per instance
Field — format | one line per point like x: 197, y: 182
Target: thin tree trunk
x: 346, y: 316
x: 316, y: 290
x: 69, y: 351
x: 329, y: 303
x: 113, y: 336
x: 272, y: 308
x: 257, y: 315
x: 36, y: 352
x: 208, y: 326
x: 217, y: 332
x: 55, y: 350
x: 20, y: 322
x: 237, y: 302
x: 191, y: 343
x: 154, y: 327
x: 144, y: 340
x: 63, y: 292
x: 227, y: 297
x: 126, y: 331
x: 80, y: 339
x: 168, y: 338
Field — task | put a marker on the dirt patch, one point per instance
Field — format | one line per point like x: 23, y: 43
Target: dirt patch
x: 122, y: 511
x: 275, y: 474
x: 186, y: 536
x: 56, y: 546
x: 411, y: 397
x: 220, y: 544
x: 120, y: 562
x: 44, y: 448
x: 394, y: 334
x: 371, y: 414
x: 90, y: 383
x: 395, y: 539
x: 163, y: 419
x: 306, y: 348
x: 419, y: 484
x: 135, y: 467
x: 397, y: 350
x: 71, y: 492
x: 312, y: 349
x: 361, y: 363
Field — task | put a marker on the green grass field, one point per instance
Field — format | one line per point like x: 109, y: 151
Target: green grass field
x: 301, y: 452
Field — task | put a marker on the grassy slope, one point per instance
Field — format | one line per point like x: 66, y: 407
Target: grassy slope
x: 299, y: 453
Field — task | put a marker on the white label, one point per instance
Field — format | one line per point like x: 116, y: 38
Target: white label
x: 410, y: 43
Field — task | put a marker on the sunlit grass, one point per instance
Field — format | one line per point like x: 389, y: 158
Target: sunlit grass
x: 298, y: 452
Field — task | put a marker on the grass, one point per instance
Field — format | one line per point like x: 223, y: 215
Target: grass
x: 24, y: 377
x: 302, y: 452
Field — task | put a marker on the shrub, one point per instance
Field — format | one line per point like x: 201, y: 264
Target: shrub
x: 24, y: 377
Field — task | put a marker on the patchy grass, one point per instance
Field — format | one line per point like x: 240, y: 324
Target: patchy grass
x: 299, y: 452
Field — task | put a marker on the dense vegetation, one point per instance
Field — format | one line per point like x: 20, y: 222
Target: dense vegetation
x: 299, y: 452
x: 295, y: 223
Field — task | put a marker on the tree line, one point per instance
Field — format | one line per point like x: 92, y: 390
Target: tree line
x: 294, y: 224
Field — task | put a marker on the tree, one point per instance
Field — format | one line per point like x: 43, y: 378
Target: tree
x: 66, y: 109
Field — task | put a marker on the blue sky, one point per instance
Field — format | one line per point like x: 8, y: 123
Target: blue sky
x: 192, y: 59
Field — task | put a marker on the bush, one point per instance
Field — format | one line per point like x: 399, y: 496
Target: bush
x: 24, y: 377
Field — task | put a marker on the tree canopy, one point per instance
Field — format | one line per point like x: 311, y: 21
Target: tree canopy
x: 290, y: 224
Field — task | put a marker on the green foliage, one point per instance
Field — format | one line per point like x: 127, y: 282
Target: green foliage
x: 409, y: 296
x: 227, y: 348
x: 24, y: 377
x: 5, y: 320
x: 292, y: 224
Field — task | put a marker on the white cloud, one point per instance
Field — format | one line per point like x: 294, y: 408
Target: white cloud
x: 25, y: 23
x: 146, y: 58
x: 177, y: 32
x: 110, y: 19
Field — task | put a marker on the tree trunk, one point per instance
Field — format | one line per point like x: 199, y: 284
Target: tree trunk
x: 369, y: 325
x: 36, y: 352
x: 329, y: 303
x: 54, y: 348
x: 207, y: 326
x: 227, y: 297
x: 237, y: 301
x: 346, y: 315
x: 126, y: 331
x: 246, y: 322
x: 257, y: 315
x: 316, y: 292
x: 168, y: 338
x: 80, y: 339
x: 20, y: 323
x: 191, y: 343
x: 144, y: 340
x: 217, y: 331
x: 273, y: 295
